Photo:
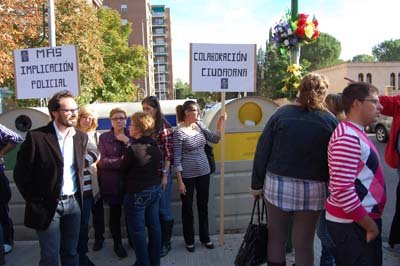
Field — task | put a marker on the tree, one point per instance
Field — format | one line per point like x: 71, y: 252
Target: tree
x: 123, y: 63
x: 388, y: 50
x: 363, y: 58
x: 324, y: 52
x: 183, y: 90
x: 76, y: 23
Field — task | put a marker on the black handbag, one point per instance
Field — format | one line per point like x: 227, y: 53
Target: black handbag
x: 210, y: 157
x: 253, y: 250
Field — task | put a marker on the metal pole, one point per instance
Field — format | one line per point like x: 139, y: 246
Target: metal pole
x: 52, y: 24
x: 144, y: 46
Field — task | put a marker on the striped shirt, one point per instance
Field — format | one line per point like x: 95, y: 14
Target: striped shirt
x: 188, y: 150
x: 356, y: 185
x: 91, y: 156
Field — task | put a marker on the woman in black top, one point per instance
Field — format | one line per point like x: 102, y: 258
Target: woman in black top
x: 140, y: 166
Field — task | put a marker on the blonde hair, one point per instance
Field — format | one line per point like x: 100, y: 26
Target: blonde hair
x: 117, y: 110
x: 86, y: 111
x: 144, y: 122
x: 312, y: 92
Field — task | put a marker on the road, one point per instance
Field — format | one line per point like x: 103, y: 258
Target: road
x: 391, y: 184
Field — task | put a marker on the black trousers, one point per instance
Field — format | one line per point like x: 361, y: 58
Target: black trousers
x: 115, y: 221
x: 201, y: 184
x: 98, y: 219
x: 352, y: 248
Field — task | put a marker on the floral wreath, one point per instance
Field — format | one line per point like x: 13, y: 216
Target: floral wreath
x: 287, y: 33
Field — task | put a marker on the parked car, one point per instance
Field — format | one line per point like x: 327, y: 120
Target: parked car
x: 381, y: 128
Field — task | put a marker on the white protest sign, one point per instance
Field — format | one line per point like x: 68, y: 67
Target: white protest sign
x: 41, y: 72
x: 223, y: 67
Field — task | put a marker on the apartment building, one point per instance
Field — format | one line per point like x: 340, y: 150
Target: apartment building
x: 151, y: 28
x: 138, y: 13
x: 163, y: 76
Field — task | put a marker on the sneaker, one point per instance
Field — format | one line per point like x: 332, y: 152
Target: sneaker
x: 209, y: 245
x: 190, y: 248
x: 7, y: 248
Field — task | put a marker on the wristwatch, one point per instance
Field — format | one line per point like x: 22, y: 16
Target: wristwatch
x: 165, y: 171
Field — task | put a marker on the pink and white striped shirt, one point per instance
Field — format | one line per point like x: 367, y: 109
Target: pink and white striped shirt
x: 356, y: 184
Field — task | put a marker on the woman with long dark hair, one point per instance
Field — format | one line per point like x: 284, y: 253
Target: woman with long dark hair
x: 193, y: 170
x: 163, y: 136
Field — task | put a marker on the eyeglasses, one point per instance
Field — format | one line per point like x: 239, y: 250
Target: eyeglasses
x: 118, y: 118
x: 69, y: 111
x: 374, y: 101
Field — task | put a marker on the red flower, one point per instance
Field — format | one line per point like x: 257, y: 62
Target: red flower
x: 302, y: 16
x: 300, y: 32
x: 315, y: 35
x: 315, y: 23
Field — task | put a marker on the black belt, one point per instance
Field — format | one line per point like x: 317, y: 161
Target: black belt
x: 65, y: 197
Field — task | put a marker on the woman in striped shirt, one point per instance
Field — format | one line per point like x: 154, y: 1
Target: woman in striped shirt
x: 87, y: 122
x: 193, y: 170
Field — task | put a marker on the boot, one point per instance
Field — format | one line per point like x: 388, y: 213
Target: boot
x: 166, y: 232
x: 119, y: 249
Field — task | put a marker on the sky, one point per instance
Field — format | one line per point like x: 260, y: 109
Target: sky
x: 357, y: 24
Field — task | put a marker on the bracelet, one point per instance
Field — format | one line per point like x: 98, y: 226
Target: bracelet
x: 165, y: 171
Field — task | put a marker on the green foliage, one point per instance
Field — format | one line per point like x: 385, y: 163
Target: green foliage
x: 324, y: 52
x: 388, y: 50
x: 363, y: 58
x: 123, y: 63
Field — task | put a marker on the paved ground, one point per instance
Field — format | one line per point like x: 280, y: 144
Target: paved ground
x: 27, y: 253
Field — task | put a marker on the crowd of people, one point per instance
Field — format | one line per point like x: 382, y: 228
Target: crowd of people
x: 66, y: 170
x: 314, y: 167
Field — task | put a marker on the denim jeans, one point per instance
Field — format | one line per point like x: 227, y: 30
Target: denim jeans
x: 87, y: 204
x: 142, y: 210
x: 327, y: 245
x: 165, y: 201
x: 60, y: 239
x: 8, y: 227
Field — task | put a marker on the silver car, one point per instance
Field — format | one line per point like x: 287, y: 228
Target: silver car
x: 382, y: 128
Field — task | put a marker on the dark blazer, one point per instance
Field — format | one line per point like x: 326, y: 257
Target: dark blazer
x: 38, y: 173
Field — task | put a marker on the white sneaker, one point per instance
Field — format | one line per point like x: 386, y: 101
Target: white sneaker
x: 7, y: 248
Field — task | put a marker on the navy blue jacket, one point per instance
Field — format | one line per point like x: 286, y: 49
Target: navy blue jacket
x: 294, y: 143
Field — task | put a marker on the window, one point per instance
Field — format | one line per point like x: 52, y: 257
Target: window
x: 160, y: 40
x: 124, y: 22
x: 398, y: 81
x: 369, y: 78
x: 161, y: 68
x: 159, y: 31
x: 360, y: 77
x: 393, y: 81
x: 160, y: 49
x: 124, y: 8
x: 158, y: 21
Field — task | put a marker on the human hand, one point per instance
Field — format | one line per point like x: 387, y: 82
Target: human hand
x: 256, y: 193
x: 181, y: 188
x: 164, y: 181
x: 122, y: 137
x: 370, y: 227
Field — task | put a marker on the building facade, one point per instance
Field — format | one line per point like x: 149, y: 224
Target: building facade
x: 383, y: 75
x: 138, y: 13
x: 151, y: 28
x: 163, y: 76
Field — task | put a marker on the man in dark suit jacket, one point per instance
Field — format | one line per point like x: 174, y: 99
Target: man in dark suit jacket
x: 49, y: 166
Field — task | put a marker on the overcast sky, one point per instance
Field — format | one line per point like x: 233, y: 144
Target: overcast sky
x: 357, y: 24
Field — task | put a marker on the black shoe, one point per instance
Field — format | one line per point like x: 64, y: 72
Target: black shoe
x: 209, y: 245
x: 90, y: 263
x: 165, y: 248
x: 98, y: 244
x: 190, y: 248
x: 119, y: 250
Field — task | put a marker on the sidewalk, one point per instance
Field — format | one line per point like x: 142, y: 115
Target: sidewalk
x: 26, y: 253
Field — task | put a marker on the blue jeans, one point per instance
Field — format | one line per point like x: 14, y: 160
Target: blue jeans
x: 142, y: 210
x: 84, y: 230
x: 327, y: 245
x: 165, y: 201
x: 60, y: 239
